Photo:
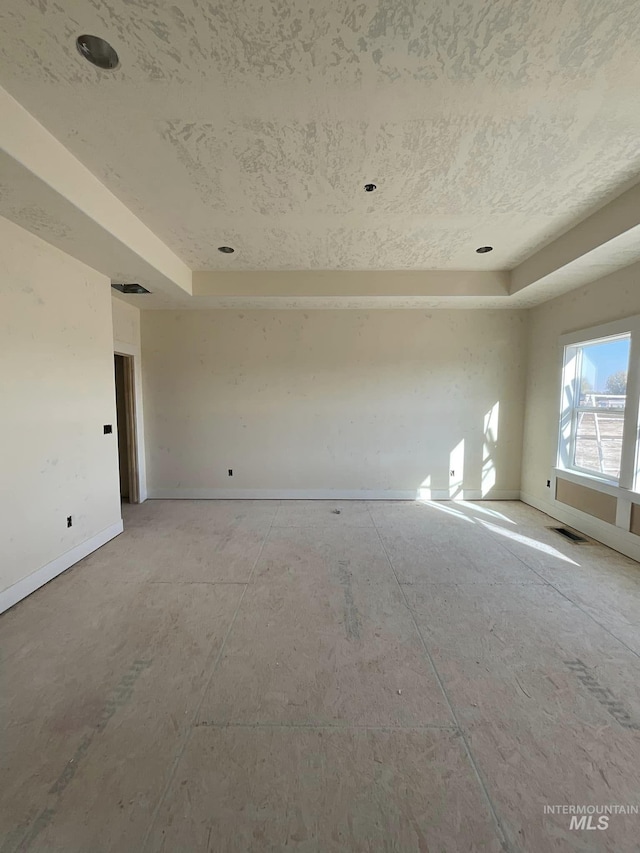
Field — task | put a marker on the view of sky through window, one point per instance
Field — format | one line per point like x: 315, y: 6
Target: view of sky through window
x: 601, y: 362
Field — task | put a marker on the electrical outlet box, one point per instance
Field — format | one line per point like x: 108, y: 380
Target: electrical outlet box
x: 69, y: 521
x: 231, y: 472
x: 108, y: 429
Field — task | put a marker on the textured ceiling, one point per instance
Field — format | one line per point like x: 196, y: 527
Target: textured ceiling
x: 256, y: 124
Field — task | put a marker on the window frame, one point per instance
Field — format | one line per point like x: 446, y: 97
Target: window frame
x: 629, y: 459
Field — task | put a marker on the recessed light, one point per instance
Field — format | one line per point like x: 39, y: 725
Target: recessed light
x: 484, y: 249
x: 226, y: 250
x: 130, y: 288
x: 98, y: 52
x: 369, y: 188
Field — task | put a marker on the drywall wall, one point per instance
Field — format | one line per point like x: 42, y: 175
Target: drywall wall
x: 126, y: 324
x: 57, y: 392
x: 333, y: 403
x: 611, y: 298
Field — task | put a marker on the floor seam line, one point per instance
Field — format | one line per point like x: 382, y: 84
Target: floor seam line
x: 192, y: 726
x: 498, y: 824
x: 474, y: 583
x: 499, y: 540
x: 587, y: 614
x: 203, y: 583
x: 571, y: 601
x: 346, y: 727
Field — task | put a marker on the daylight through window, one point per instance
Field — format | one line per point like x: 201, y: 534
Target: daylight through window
x: 592, y: 434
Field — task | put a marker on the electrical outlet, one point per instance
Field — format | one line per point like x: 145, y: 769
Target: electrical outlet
x: 231, y: 472
x: 548, y: 484
x: 452, y: 473
x: 108, y: 429
x: 69, y: 521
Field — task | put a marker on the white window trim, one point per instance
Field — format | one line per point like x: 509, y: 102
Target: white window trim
x: 630, y: 456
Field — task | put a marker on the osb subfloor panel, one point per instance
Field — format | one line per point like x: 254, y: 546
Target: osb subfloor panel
x: 267, y: 676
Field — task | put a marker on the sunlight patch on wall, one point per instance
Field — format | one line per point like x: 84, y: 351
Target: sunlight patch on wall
x: 424, y: 492
x: 488, y: 448
x: 456, y: 471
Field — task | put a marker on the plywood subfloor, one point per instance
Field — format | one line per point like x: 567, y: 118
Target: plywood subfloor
x: 266, y: 676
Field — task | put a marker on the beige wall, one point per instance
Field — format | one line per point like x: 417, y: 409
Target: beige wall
x: 611, y: 298
x: 333, y: 402
x: 57, y: 392
x: 126, y: 324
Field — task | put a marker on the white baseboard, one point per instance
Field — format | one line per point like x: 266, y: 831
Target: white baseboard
x: 26, y: 586
x: 614, y: 537
x: 330, y: 494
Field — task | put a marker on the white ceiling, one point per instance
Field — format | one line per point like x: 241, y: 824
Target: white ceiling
x: 256, y: 124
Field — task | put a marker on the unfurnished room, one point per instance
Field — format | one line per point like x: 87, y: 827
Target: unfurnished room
x: 320, y: 389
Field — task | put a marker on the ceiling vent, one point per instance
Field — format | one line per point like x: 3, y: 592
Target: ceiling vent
x: 130, y: 288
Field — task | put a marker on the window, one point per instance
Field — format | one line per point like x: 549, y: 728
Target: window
x: 598, y: 424
x: 599, y: 397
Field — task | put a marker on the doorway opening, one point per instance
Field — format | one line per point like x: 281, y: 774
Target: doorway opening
x: 126, y: 419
